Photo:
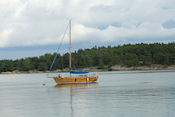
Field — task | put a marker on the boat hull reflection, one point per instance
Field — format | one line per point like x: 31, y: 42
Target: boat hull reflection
x: 85, y: 85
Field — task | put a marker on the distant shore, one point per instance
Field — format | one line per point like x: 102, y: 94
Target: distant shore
x: 97, y: 69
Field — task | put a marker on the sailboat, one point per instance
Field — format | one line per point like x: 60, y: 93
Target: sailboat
x: 75, y: 76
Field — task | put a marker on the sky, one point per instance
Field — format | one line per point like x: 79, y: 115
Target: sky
x: 35, y: 27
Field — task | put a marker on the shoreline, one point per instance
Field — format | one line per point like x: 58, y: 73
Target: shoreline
x: 96, y: 69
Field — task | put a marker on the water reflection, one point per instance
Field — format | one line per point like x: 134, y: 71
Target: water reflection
x: 82, y: 86
x: 115, y: 95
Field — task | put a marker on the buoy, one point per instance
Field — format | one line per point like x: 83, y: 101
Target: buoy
x: 44, y: 84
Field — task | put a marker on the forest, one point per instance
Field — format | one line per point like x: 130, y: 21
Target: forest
x: 127, y: 55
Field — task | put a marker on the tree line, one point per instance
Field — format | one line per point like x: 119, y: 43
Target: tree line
x: 127, y: 55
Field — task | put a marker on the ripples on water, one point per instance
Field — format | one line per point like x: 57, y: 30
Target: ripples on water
x: 117, y: 94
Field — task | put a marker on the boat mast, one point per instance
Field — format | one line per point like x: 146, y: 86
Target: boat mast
x: 70, y: 45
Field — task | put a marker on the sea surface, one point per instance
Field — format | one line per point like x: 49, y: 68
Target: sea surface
x: 116, y: 94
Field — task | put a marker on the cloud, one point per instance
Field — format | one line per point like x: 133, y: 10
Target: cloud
x: 5, y: 37
x: 42, y: 22
x: 169, y: 24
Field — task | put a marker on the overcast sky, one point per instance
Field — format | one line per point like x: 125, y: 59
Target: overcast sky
x: 35, y: 27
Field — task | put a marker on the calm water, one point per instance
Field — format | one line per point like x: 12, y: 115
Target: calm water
x: 117, y: 94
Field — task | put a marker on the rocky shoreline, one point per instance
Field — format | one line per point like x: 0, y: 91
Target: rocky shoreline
x: 97, y: 69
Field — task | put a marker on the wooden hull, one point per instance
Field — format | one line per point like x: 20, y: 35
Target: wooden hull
x: 64, y: 80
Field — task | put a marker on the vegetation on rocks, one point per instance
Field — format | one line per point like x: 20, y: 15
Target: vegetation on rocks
x: 129, y: 55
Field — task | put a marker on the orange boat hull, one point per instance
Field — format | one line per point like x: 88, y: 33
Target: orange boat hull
x: 63, y: 80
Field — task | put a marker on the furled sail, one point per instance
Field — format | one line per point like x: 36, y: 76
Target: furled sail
x: 77, y: 72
